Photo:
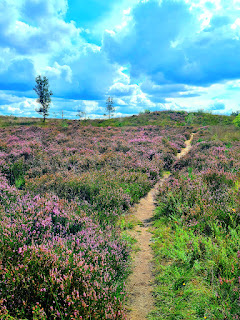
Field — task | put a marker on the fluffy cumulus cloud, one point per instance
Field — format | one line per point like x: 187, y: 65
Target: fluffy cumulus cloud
x: 147, y: 54
x: 119, y: 89
x: 32, y: 26
x: 149, y: 42
x: 168, y: 42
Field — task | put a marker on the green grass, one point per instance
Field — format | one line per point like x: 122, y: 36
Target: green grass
x: 225, y: 134
x: 185, y: 264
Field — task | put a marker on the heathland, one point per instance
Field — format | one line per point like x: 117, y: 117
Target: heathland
x: 66, y: 187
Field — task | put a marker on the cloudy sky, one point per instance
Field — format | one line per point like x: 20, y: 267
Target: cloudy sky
x: 146, y: 54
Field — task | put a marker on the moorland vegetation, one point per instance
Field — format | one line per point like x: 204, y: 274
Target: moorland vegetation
x: 66, y: 188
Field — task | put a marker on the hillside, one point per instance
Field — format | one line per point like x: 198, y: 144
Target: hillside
x: 159, y: 118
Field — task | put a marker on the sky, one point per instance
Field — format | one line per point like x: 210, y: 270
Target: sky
x: 146, y: 54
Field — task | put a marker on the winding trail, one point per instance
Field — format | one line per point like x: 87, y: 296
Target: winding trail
x: 140, y: 281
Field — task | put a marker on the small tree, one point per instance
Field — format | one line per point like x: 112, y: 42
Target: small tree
x: 235, y: 113
x: 81, y: 114
x: 44, y: 95
x: 110, y: 106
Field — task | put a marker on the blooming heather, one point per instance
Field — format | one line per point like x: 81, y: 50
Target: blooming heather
x: 62, y: 191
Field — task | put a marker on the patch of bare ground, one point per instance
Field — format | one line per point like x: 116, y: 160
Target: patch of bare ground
x: 140, y: 281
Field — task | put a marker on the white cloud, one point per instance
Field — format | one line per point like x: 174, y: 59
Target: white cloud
x: 30, y: 26
x: 120, y: 89
x: 168, y: 43
x: 64, y: 73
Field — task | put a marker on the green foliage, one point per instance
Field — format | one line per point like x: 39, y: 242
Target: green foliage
x: 20, y: 182
x: 188, y: 267
x: 236, y: 121
x: 135, y: 190
x: 190, y: 118
x: 64, y: 124
x: 125, y: 224
x: 15, y: 173
x: 44, y: 95
x: 236, y: 113
x: 228, y: 135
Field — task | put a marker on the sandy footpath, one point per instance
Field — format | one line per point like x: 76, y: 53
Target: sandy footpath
x: 139, y: 285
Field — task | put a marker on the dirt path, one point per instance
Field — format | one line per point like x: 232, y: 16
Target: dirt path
x: 140, y: 281
x: 188, y: 147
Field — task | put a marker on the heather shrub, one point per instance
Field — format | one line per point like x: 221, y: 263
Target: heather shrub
x: 82, y: 268
x: 103, y: 192
x: 198, y: 201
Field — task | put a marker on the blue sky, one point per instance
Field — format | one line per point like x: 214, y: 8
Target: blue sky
x: 146, y: 54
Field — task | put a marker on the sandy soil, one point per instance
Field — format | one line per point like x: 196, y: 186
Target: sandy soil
x: 140, y: 281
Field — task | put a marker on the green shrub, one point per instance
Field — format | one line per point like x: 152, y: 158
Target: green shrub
x: 236, y: 121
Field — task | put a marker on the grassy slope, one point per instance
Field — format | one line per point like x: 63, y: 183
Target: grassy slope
x: 160, y: 118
